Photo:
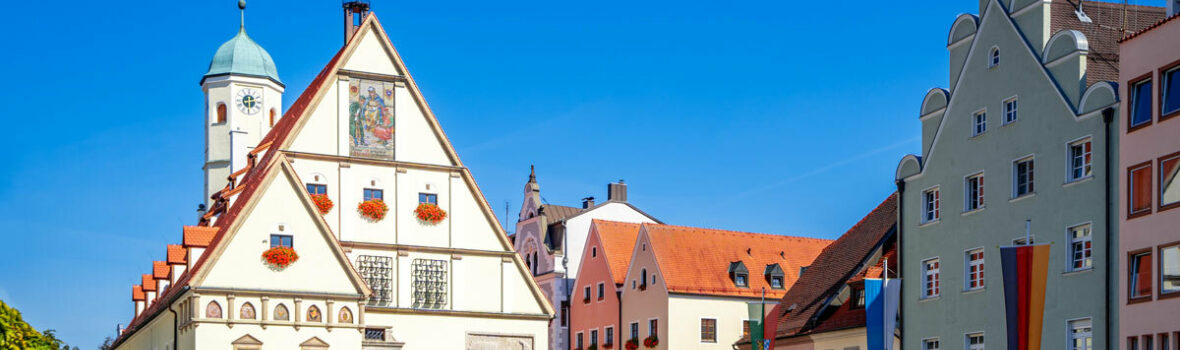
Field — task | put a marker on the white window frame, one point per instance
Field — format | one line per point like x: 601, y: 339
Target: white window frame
x: 1069, y: 335
x: 926, y: 277
x: 993, y: 57
x: 931, y: 211
x: 578, y: 336
x: 1032, y: 190
x: 608, y: 335
x: 1069, y: 266
x: 649, y: 333
x: 926, y: 343
x: 1069, y: 168
x: 1014, y: 113
x: 593, y: 337
x: 601, y: 291
x: 967, y: 198
x: 978, y: 124
x: 968, y: 263
x: 967, y: 340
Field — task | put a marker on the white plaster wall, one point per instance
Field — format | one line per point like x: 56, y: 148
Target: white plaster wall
x: 330, y: 176
x: 156, y: 335
x: 316, y: 134
x: 471, y: 228
x: 446, y: 332
x: 410, y: 230
x: 578, y: 229
x: 371, y: 56
x: 355, y: 227
x: 684, y: 320
x: 220, y: 336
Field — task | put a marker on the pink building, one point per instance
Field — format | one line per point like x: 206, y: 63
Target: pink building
x: 1149, y: 157
x: 594, y: 306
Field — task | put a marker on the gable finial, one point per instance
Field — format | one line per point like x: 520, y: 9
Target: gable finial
x: 242, y: 9
x: 532, y: 173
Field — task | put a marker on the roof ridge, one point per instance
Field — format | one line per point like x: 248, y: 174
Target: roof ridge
x: 724, y: 231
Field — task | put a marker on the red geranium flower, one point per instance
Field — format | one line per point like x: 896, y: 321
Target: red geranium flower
x: 374, y: 209
x: 430, y: 213
x: 280, y: 256
x: 322, y: 203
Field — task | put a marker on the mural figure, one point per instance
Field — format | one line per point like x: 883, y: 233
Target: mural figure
x: 370, y: 118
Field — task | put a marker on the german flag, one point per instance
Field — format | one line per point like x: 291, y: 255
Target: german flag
x: 1025, y: 269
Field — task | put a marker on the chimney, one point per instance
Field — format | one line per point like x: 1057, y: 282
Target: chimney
x: 587, y: 202
x: 616, y: 191
x: 354, y: 13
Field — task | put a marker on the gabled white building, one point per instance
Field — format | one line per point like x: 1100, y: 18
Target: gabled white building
x: 550, y: 239
x: 360, y: 137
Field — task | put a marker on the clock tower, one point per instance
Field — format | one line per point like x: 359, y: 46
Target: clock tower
x: 243, y: 100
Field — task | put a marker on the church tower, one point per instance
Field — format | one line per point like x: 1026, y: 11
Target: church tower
x: 243, y: 100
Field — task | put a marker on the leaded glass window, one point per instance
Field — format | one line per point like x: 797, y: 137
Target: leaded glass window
x: 430, y: 283
x: 377, y: 272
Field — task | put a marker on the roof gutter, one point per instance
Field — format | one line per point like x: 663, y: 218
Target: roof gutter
x: 1111, y: 250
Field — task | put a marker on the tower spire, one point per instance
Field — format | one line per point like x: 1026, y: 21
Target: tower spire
x: 242, y: 9
x: 532, y: 174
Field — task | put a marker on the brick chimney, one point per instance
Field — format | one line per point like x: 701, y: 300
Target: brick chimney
x: 616, y: 191
x: 587, y: 202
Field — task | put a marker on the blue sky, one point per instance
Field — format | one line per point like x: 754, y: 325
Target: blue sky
x: 773, y: 116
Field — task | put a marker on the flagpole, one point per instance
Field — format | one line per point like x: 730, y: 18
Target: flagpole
x: 1027, y: 232
x: 885, y: 306
x: 762, y: 317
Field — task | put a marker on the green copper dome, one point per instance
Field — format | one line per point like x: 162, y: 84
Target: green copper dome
x: 242, y: 56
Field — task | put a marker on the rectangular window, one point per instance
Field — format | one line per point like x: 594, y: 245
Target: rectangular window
x: 1080, y: 337
x: 746, y: 328
x: 980, y: 125
x: 1170, y: 92
x: 593, y: 337
x: 930, y: 203
x: 1169, y: 187
x: 1165, y: 344
x: 1140, y: 275
x: 1022, y: 177
x: 1148, y: 343
x: 1139, y: 189
x: 317, y: 189
x: 1079, y: 248
x: 586, y: 294
x: 653, y: 327
x: 1009, y: 111
x: 610, y: 336
x: 740, y: 280
x: 708, y: 330
x: 371, y: 194
x: 1169, y: 270
x: 1140, y: 103
x: 974, y: 269
x: 634, y: 330
x: 776, y: 282
x: 281, y: 241
x: 930, y: 278
x: 1133, y: 343
x: 429, y: 198
x: 377, y: 271
x: 974, y: 192
x: 579, y: 340
x: 429, y: 283
x: 974, y: 341
x: 1079, y: 160
x: 930, y: 344
x: 860, y: 299
x: 601, y: 291
x: 565, y: 313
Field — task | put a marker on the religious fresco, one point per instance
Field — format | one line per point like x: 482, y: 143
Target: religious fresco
x: 370, y: 118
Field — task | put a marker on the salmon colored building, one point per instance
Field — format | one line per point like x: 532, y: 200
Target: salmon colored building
x: 689, y: 288
x: 595, y: 304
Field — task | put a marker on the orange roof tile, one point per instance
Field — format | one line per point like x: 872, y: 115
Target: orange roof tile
x: 198, y: 236
x: 696, y: 260
x: 618, y: 240
x: 177, y: 254
x: 149, y: 284
x: 137, y: 293
x: 160, y: 270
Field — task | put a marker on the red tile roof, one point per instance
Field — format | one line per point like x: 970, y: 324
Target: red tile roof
x: 1103, y: 33
x: 696, y: 260
x: 160, y: 270
x: 177, y: 254
x: 137, y: 293
x: 149, y: 284
x: 1150, y: 27
x: 198, y: 236
x: 618, y: 240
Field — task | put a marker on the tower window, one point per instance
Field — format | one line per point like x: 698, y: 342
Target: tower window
x: 994, y: 58
x: 273, y: 115
x: 222, y: 110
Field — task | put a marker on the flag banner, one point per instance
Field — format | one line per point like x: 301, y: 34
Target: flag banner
x: 892, y: 301
x: 881, y: 300
x: 1024, y: 270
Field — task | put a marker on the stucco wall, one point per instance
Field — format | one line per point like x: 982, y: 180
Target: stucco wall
x: 643, y: 305
x: 684, y: 320
x: 595, y: 313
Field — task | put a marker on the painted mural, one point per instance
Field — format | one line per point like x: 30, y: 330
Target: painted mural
x: 370, y: 118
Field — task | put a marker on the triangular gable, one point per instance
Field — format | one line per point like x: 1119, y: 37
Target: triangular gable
x: 236, y: 257
x: 247, y: 340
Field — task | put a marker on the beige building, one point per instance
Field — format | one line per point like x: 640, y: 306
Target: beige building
x: 348, y: 223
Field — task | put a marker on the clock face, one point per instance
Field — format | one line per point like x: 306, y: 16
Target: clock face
x: 249, y: 100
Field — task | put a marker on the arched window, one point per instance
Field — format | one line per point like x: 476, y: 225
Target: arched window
x: 221, y: 113
x: 345, y: 315
x: 281, y: 313
x: 994, y: 58
x: 213, y: 310
x: 247, y: 312
x: 273, y: 116
x: 313, y: 314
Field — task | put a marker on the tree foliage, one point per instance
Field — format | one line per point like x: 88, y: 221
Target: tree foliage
x: 15, y: 334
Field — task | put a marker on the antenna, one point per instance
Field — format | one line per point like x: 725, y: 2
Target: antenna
x: 506, y: 216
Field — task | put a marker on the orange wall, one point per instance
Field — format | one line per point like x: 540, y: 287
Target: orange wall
x: 597, y: 313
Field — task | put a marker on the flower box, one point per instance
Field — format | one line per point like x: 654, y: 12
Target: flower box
x: 373, y: 209
x: 631, y: 344
x: 322, y: 203
x: 280, y: 257
x: 430, y: 213
x: 651, y: 342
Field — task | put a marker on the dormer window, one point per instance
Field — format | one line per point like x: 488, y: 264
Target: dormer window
x: 994, y: 58
x: 739, y: 274
x: 774, y: 275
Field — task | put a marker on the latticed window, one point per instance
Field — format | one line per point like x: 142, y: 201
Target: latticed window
x: 430, y: 283
x: 974, y: 269
x: 377, y: 270
x: 375, y: 334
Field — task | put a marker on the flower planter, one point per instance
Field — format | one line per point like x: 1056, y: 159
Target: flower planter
x: 430, y: 213
x: 631, y: 344
x: 373, y: 209
x: 651, y: 342
x: 322, y: 203
x: 280, y: 257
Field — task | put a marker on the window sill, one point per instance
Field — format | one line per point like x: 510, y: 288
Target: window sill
x: 1022, y: 197
x: 977, y: 136
x: 1168, y: 295
x: 974, y: 291
x: 929, y: 223
x: 929, y: 299
x: 1142, y: 299
x: 1076, y: 181
x: 1077, y: 272
x: 1141, y: 213
x: 973, y: 211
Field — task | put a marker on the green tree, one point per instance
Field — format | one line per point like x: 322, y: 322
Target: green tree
x: 16, y: 334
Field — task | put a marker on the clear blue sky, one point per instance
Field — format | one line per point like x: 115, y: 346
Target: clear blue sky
x: 779, y: 116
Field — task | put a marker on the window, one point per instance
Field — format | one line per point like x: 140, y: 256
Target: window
x: 377, y: 334
x: 776, y: 282
x: 579, y: 341
x: 740, y: 280
x: 1169, y: 270
x: 1140, y: 103
x: 586, y: 294
x: 429, y: 198
x: 429, y: 283
x: 653, y: 327
x: 377, y: 271
x: 708, y: 330
x: 221, y: 113
x: 1009, y: 111
x: 643, y: 278
x: 930, y: 278
x: 930, y: 344
x: 1140, y: 275
x: 1079, y: 248
x: 610, y: 336
x: 1079, y: 160
x: 565, y: 313
x: 1022, y: 177
x: 1080, y: 337
x: 317, y: 189
x: 1133, y: 343
x: 974, y: 341
x: 273, y: 114
x: 593, y: 337
x: 1139, y: 190
x: 1148, y: 343
x: 974, y: 269
x: 371, y: 194
x: 1164, y: 343
x: 974, y: 192
x: 634, y: 330
x: 1170, y: 92
x: 930, y: 203
x: 593, y: 252
x: 746, y: 328
x: 281, y: 241
x: 857, y: 298
x: 1169, y: 187
x: 994, y: 58
x: 601, y: 290
x: 979, y: 124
